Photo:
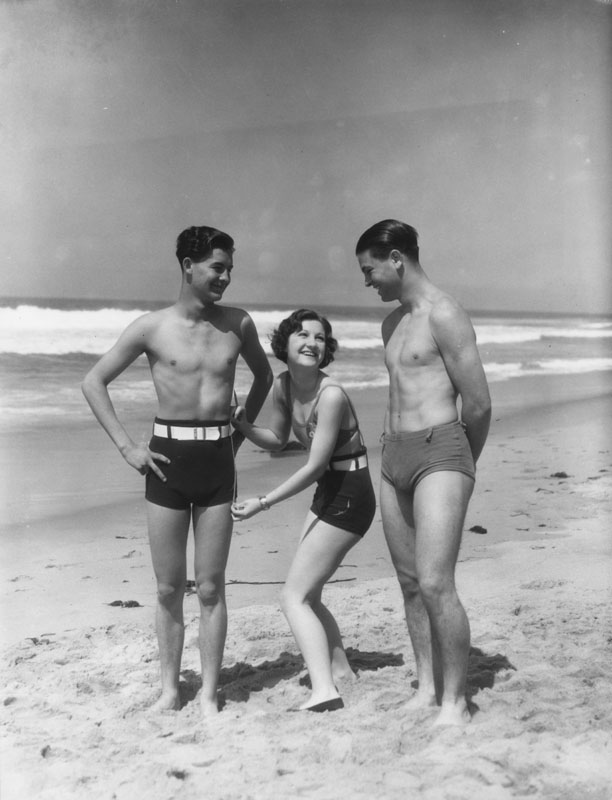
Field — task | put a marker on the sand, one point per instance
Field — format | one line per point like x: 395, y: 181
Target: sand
x: 79, y: 673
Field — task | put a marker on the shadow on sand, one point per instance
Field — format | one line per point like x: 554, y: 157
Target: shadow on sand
x: 240, y: 680
x: 482, y: 670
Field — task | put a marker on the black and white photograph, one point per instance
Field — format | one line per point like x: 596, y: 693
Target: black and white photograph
x: 306, y: 399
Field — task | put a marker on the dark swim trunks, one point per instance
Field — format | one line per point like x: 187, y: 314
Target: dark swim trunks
x: 409, y: 457
x: 201, y: 473
x: 345, y: 500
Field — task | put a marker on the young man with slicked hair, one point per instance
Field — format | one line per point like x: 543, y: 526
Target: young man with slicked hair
x: 429, y: 456
x: 192, y: 348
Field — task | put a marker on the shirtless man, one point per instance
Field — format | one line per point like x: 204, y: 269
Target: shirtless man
x: 192, y: 348
x: 429, y: 456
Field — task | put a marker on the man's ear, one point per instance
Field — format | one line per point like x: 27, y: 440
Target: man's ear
x: 397, y: 259
x: 188, y: 268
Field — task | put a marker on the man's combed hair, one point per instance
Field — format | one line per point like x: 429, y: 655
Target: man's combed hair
x: 293, y: 323
x: 388, y: 235
x: 198, y: 242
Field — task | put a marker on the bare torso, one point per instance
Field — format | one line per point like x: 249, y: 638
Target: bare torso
x: 193, y: 362
x: 421, y: 393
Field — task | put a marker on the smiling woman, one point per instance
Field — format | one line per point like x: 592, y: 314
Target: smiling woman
x: 294, y: 324
x: 321, y: 415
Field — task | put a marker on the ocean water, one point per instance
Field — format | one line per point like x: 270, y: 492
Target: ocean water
x: 47, y: 346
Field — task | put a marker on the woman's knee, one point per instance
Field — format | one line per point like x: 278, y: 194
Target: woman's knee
x: 290, y: 597
x: 285, y: 599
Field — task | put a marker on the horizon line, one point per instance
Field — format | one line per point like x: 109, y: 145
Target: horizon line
x: 37, y: 300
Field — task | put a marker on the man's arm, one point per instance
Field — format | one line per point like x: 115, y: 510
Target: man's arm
x: 275, y: 435
x: 256, y: 360
x: 388, y: 326
x: 456, y: 340
x: 128, y: 347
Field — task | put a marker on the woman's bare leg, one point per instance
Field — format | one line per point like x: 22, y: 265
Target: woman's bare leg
x: 320, y: 552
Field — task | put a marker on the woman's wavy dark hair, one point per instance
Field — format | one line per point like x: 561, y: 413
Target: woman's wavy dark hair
x: 293, y: 323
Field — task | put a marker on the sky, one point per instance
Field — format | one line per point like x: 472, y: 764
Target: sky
x: 296, y: 124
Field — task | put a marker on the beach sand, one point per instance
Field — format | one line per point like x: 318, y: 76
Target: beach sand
x: 79, y: 673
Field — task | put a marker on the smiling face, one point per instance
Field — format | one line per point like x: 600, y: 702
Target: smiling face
x: 306, y: 347
x: 382, y: 274
x: 209, y: 278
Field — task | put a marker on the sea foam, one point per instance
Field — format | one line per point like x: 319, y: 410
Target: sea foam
x: 28, y: 329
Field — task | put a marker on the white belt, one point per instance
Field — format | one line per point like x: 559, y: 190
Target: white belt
x: 196, y: 434
x: 349, y: 464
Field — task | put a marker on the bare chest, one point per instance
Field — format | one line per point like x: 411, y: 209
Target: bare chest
x: 199, y: 349
x: 411, y: 345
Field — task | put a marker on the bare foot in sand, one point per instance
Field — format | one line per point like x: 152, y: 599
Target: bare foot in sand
x: 169, y: 701
x: 208, y: 707
x: 454, y: 714
x: 344, y: 676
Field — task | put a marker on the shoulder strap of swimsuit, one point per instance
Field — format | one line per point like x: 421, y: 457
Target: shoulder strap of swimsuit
x: 286, y: 386
x: 320, y: 392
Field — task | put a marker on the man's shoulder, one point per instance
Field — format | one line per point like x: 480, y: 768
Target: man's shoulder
x: 233, y: 313
x: 446, y: 308
x: 151, y: 319
x: 449, y: 322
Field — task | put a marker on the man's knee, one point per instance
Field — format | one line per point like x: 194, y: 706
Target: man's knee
x: 169, y: 592
x: 409, y: 584
x: 434, y: 585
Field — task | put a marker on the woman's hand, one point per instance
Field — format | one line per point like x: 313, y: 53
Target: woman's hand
x: 246, y: 508
x: 239, y: 419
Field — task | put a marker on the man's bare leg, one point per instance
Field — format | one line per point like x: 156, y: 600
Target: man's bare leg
x: 398, y: 525
x: 212, y: 533
x: 168, y: 529
x: 439, y: 504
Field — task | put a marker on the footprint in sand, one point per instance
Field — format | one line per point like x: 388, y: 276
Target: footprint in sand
x: 542, y: 584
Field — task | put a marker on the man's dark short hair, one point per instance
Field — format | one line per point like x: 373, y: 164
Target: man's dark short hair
x: 293, y: 323
x: 197, y: 243
x: 388, y: 235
